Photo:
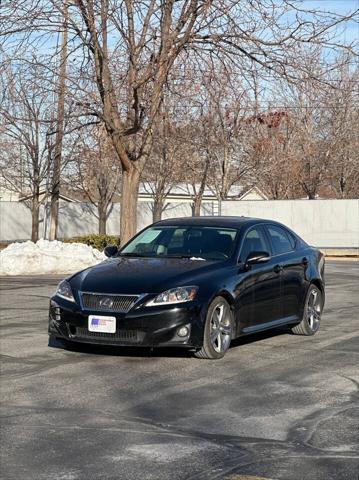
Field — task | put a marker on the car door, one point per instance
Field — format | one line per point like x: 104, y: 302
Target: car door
x: 292, y: 264
x: 261, y: 283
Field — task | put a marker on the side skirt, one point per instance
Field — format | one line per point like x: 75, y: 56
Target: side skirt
x: 272, y: 324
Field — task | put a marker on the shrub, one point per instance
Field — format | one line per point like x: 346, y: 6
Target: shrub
x: 95, y: 241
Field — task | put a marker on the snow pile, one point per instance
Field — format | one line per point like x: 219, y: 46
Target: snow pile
x: 46, y: 256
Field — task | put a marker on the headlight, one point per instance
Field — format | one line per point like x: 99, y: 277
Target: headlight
x: 175, y: 295
x: 64, y: 291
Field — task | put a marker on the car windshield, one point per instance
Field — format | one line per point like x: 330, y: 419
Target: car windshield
x: 183, y: 241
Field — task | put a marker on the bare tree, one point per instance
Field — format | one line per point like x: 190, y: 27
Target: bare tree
x: 96, y: 172
x: 150, y: 42
x: 229, y: 132
x: 26, y: 117
x: 133, y: 46
x: 56, y: 170
x: 163, y: 168
x: 196, y: 158
x: 303, y: 134
x: 271, y: 147
x: 342, y: 107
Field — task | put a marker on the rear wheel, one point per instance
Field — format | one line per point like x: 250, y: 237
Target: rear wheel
x: 218, y: 330
x: 312, y: 313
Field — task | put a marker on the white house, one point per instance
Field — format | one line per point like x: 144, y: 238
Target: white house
x: 184, y: 192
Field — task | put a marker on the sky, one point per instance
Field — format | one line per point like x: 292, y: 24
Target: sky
x: 341, y: 7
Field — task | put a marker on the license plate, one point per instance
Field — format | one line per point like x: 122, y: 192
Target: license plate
x: 99, y: 323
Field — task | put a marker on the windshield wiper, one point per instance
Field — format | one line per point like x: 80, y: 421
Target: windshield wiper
x: 190, y: 257
x: 132, y: 254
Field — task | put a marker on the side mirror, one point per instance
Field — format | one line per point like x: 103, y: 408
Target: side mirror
x: 256, y: 257
x: 110, y: 250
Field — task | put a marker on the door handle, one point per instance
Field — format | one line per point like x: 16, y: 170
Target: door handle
x: 305, y: 261
x: 278, y: 268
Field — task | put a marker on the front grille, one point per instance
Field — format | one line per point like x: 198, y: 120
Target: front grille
x: 125, y: 336
x: 108, y: 303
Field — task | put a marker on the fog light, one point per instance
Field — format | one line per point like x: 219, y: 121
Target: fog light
x: 57, y: 314
x: 52, y: 327
x: 183, y: 332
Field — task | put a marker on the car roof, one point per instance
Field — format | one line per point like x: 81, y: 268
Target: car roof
x: 225, y: 222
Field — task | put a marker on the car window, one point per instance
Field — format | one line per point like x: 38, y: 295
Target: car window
x: 149, y: 236
x: 177, y: 239
x: 292, y: 239
x: 281, y: 242
x: 254, y: 241
x: 208, y: 243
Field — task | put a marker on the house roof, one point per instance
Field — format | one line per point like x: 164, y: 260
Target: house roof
x: 178, y: 191
x: 44, y: 193
x: 185, y: 190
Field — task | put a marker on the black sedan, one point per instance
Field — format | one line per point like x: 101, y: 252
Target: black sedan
x: 194, y: 282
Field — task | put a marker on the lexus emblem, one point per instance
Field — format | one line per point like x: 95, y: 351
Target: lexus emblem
x: 106, y: 302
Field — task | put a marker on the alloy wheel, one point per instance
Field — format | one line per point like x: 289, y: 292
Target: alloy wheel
x: 314, y: 310
x: 220, y: 328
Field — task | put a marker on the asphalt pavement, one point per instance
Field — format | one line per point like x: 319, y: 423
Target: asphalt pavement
x: 277, y: 406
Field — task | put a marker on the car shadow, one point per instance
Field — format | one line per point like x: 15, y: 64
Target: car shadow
x: 256, y: 337
x: 120, y: 351
x: 147, y: 352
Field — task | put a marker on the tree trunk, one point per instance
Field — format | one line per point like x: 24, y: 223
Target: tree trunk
x: 35, y: 218
x: 196, y: 206
x: 55, y: 188
x: 342, y: 185
x: 54, y: 214
x: 129, y: 193
x: 102, y: 219
x: 157, y: 209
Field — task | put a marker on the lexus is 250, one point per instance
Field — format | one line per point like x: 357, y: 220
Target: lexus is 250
x: 196, y: 283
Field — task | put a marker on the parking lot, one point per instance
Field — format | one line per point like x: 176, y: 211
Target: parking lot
x: 277, y: 406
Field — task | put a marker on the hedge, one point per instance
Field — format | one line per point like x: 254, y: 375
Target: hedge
x: 95, y: 241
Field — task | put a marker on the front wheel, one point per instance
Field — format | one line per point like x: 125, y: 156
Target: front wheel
x: 312, y: 313
x: 217, y: 331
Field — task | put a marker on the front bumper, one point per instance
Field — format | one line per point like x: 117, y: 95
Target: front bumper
x: 146, y: 326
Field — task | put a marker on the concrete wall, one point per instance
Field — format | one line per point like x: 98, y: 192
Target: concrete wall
x: 324, y: 223
x: 80, y: 218
x: 77, y: 219
x: 15, y: 221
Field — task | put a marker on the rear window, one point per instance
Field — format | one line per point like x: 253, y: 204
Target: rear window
x: 254, y: 241
x: 281, y: 241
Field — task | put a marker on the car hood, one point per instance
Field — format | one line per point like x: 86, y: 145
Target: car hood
x: 141, y: 275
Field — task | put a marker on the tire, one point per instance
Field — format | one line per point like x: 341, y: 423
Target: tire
x: 312, y: 313
x: 218, y: 330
